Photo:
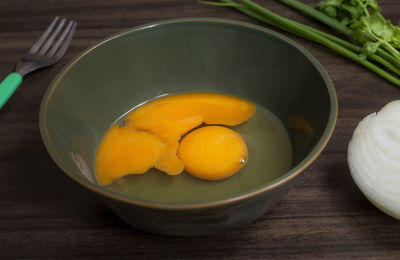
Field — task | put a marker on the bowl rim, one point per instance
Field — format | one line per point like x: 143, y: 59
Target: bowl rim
x: 286, y: 177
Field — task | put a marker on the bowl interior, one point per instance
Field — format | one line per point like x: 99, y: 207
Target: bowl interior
x: 176, y: 56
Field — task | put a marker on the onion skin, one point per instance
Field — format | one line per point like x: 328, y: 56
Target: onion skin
x: 374, y: 158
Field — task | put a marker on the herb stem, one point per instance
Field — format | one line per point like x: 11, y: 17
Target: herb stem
x: 387, y: 56
x: 363, y: 7
x: 310, y: 11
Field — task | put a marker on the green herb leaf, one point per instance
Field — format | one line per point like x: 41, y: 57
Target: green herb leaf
x: 372, y: 4
x: 369, y: 48
x: 396, y: 37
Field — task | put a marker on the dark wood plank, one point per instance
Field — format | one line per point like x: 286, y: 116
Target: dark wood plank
x: 324, y: 215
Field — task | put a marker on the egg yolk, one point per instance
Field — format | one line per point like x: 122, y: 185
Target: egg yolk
x: 171, y: 117
x: 213, y: 152
x: 151, y: 133
x: 124, y: 150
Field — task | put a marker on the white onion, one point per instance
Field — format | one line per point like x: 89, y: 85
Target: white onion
x: 374, y: 158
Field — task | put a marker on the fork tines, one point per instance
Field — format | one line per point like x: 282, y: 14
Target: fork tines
x: 46, y: 45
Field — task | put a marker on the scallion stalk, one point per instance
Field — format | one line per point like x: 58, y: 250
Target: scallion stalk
x: 386, y: 53
x: 340, y: 46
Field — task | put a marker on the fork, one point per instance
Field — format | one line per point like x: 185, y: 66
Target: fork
x: 47, y: 50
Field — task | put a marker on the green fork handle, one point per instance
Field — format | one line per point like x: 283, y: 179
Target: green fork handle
x: 8, y: 87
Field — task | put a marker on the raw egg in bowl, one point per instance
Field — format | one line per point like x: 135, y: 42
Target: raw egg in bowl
x: 189, y: 126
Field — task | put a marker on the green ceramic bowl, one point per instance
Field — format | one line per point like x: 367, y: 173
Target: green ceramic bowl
x: 188, y: 55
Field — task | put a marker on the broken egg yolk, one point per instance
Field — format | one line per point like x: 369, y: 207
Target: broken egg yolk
x: 213, y: 152
x: 125, y: 150
x: 161, y: 123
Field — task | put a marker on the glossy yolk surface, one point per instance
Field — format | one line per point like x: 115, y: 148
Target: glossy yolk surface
x: 126, y: 150
x: 213, y: 152
x: 166, y: 120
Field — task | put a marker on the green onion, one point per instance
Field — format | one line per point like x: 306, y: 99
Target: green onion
x: 339, y: 27
x: 339, y: 45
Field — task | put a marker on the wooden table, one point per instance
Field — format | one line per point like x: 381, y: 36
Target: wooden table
x: 44, y: 214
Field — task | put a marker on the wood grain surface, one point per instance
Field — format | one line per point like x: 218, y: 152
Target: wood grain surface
x: 45, y: 215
